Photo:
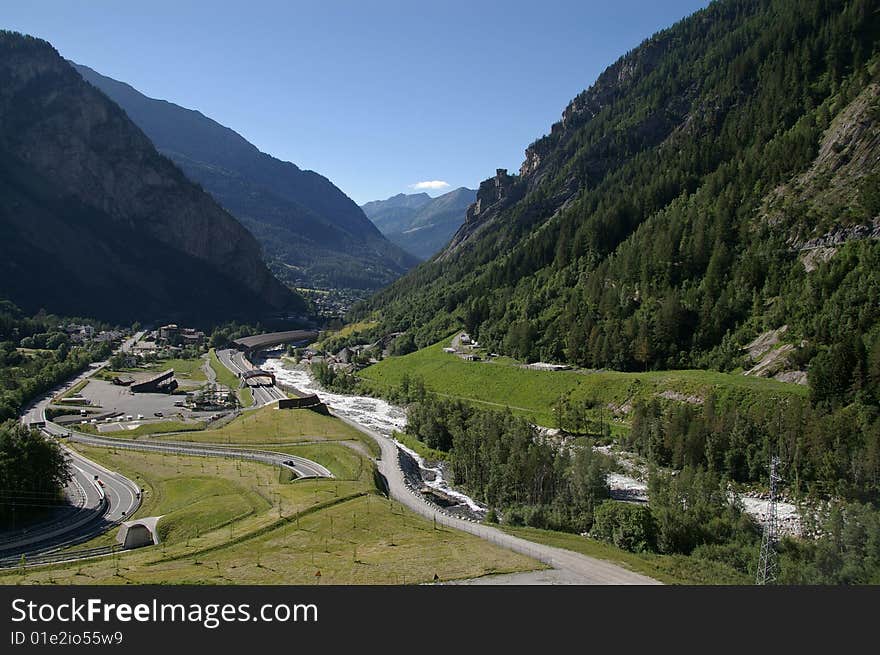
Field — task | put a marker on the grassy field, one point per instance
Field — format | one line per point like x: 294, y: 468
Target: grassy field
x: 184, y: 369
x: 345, y: 331
x: 224, y: 375
x: 145, y: 429
x: 228, y: 522
x: 187, y: 369
x: 343, y: 462
x: 245, y: 396
x: 669, y: 569
x: 269, y: 425
x: 530, y: 393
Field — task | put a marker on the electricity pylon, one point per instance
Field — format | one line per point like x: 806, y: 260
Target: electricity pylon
x: 768, y: 563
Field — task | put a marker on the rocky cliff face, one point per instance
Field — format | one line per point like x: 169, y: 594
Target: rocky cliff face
x: 61, y: 130
x: 493, y: 196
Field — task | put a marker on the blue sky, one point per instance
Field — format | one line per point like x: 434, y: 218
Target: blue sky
x: 376, y: 95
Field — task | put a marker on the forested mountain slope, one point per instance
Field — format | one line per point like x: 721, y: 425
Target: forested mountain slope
x: 312, y: 234
x: 718, y: 181
x: 94, y: 221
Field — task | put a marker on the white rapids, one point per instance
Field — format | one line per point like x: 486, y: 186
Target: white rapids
x: 372, y: 413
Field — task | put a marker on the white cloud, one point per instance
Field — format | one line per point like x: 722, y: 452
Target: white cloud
x: 433, y: 185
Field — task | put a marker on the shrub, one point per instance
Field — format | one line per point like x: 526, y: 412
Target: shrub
x: 625, y: 525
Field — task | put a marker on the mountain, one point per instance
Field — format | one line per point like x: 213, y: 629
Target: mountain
x: 418, y: 223
x: 716, y: 183
x: 312, y: 234
x: 94, y: 221
x: 394, y: 213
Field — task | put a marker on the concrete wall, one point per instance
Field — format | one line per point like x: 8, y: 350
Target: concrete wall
x: 308, y: 402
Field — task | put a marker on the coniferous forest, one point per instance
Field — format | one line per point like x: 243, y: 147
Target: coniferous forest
x: 718, y: 183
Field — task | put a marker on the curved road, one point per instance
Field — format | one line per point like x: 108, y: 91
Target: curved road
x: 573, y: 567
x: 304, y: 468
x: 121, y: 497
x: 569, y: 567
x: 108, y: 498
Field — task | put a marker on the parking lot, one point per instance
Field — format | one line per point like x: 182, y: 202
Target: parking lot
x: 106, y: 397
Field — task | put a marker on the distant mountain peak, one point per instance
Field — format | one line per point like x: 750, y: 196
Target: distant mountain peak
x: 419, y: 223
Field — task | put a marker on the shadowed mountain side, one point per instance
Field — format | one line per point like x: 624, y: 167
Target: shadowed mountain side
x: 90, y: 208
x: 311, y: 232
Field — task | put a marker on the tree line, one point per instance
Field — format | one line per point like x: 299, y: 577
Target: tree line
x: 33, y: 472
x: 36, y: 355
x: 506, y: 463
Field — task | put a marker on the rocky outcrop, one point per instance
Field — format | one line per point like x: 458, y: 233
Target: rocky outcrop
x: 822, y: 208
x: 840, y: 235
x: 494, y: 195
x: 545, y: 156
x: 771, y: 358
x: 73, y: 143
x: 491, y: 191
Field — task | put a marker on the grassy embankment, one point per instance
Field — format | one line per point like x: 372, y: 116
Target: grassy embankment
x: 159, y: 427
x: 345, y: 331
x: 74, y: 390
x: 184, y: 369
x: 503, y: 383
x: 271, y: 427
x: 669, y: 569
x: 229, y: 522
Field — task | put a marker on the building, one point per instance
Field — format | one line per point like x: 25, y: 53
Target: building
x: 173, y: 334
x: 162, y: 383
x: 192, y: 337
x: 166, y: 332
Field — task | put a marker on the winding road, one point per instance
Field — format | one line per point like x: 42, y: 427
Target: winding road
x: 105, y: 499
x: 570, y: 567
x: 304, y: 468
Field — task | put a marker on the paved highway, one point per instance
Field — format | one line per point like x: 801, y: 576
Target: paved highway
x: 102, y: 498
x: 120, y: 498
x: 105, y: 499
x: 236, y: 362
x: 36, y: 411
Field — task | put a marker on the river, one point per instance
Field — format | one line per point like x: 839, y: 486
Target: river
x: 383, y: 417
x: 374, y: 414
